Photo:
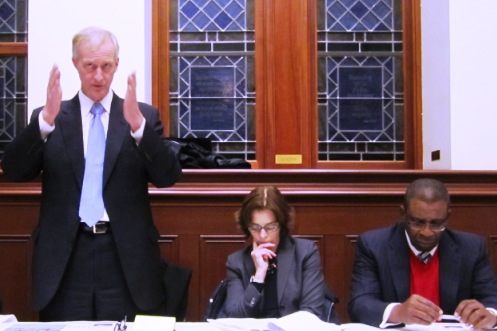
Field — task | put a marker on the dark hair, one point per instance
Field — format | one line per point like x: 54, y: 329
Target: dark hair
x: 265, y: 197
x: 426, y: 189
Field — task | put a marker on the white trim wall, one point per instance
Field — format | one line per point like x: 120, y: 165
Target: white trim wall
x: 53, y: 23
x: 459, y: 69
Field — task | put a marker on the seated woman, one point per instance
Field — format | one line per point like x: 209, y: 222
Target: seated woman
x: 276, y: 275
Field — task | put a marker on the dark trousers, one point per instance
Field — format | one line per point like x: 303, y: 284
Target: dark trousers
x: 93, y: 287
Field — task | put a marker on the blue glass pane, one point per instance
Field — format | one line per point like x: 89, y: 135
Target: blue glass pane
x: 359, y: 15
x: 359, y: 10
x: 13, y: 20
x: 13, y: 98
x: 212, y: 15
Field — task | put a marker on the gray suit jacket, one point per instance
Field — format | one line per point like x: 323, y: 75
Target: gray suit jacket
x: 381, y: 272
x: 300, y: 281
x: 128, y: 169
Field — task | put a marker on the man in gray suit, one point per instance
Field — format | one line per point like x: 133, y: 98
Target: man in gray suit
x: 113, y: 268
x: 417, y: 270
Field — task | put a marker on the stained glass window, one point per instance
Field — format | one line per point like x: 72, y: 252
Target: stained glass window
x: 212, y: 83
x: 360, y: 80
x: 13, y: 71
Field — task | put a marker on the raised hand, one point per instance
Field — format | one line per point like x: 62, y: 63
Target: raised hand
x: 261, y: 254
x: 131, y: 111
x: 54, y: 96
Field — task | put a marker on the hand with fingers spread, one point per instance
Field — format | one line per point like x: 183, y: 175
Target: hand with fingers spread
x: 415, y: 310
x: 54, y: 96
x: 261, y: 254
x: 473, y: 313
x: 131, y: 110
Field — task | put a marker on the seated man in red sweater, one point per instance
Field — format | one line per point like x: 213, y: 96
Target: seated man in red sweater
x: 417, y: 270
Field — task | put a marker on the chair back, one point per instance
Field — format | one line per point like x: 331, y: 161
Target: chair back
x: 329, y: 312
x: 216, y: 300
x: 176, y: 282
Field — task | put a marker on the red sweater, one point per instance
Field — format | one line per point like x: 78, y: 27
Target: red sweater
x: 425, y: 278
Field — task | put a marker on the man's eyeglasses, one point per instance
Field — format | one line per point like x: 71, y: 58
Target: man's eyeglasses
x: 418, y: 225
x: 271, y: 227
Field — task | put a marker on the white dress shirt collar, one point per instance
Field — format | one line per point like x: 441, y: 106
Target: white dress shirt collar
x: 414, y: 250
x: 86, y: 103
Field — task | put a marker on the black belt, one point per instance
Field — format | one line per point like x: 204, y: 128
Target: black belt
x: 99, y: 228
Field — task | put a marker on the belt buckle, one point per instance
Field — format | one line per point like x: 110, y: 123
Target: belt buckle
x: 99, y: 228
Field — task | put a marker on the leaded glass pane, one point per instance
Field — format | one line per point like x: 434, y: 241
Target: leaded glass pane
x: 212, y: 83
x: 360, y: 81
x: 13, y: 98
x: 13, y: 21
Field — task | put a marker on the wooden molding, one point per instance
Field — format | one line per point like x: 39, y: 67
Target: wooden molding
x: 16, y: 49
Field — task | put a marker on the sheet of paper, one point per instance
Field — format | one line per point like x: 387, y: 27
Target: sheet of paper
x: 8, y: 318
x: 153, y: 323
x: 437, y: 327
x: 302, y: 320
x: 94, y: 326
x: 6, y: 321
x: 195, y: 326
x: 357, y: 327
x: 36, y: 326
x: 241, y: 324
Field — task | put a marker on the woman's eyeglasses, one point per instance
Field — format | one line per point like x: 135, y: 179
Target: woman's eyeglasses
x: 271, y: 227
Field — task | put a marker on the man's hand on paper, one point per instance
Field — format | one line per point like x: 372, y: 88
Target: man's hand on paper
x: 473, y: 313
x: 415, y: 310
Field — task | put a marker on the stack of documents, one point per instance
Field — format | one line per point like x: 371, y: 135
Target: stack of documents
x: 303, y: 321
x: 299, y: 321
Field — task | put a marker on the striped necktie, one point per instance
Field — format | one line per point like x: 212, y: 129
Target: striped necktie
x: 425, y: 257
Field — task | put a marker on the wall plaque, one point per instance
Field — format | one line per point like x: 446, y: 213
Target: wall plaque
x: 360, y: 82
x: 360, y: 104
x: 212, y: 82
x: 213, y: 111
x: 212, y: 114
x: 360, y: 115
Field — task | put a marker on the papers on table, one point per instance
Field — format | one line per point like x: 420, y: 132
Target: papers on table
x: 298, y: 321
x: 302, y: 320
x: 241, y: 324
x: 153, y: 323
x: 58, y: 326
x: 195, y: 326
x: 438, y: 327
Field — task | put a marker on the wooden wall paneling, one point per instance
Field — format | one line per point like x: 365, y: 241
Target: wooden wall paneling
x: 189, y: 257
x: 284, y: 77
x: 213, y: 253
x: 413, y: 122
x: 169, y: 248
x: 15, y: 275
x: 196, y: 223
x: 161, y: 59
x: 13, y: 48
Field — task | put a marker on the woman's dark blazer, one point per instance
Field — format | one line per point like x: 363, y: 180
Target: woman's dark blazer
x: 299, y: 277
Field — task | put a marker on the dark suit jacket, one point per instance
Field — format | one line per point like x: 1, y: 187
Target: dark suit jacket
x: 381, y: 272
x: 128, y: 169
x: 299, y: 277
